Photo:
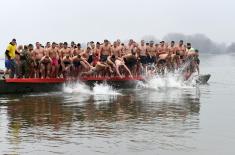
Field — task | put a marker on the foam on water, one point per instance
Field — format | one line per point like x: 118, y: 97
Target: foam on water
x: 98, y: 89
x: 165, y: 82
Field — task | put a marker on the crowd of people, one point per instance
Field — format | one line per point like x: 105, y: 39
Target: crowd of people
x: 63, y: 60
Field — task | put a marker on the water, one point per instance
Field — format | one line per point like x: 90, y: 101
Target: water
x: 164, y: 116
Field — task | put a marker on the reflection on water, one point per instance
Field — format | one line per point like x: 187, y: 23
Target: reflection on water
x: 128, y: 122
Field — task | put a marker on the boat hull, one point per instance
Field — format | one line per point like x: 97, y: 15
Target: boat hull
x: 52, y: 85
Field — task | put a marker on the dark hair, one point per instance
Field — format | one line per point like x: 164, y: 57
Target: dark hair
x: 78, y: 45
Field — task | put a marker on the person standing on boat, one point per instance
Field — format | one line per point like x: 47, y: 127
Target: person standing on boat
x: 10, y: 59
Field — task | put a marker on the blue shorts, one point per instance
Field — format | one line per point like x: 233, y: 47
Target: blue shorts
x: 8, y: 64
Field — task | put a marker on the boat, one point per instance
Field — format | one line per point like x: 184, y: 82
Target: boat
x: 28, y: 85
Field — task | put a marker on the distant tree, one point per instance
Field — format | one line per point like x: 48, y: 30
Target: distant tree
x: 148, y: 38
x: 231, y: 48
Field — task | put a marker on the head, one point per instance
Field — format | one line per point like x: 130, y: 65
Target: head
x: 30, y: 47
x: 13, y: 41
x: 53, y: 45
x: 118, y: 42
x: 38, y: 45
x: 151, y: 43
x: 92, y: 44
x: 181, y: 42
x: 61, y: 45
x: 130, y: 42
x: 98, y: 45
x: 78, y: 45
x: 65, y: 45
x: 172, y: 43
x: 48, y: 45
x: 72, y: 44
x: 188, y: 46
x: 25, y: 47
x: 115, y: 44
x: 106, y: 42
x: 88, y: 49
x: 162, y: 43
x: 142, y: 42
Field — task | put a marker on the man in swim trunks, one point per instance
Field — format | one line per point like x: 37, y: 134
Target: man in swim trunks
x: 143, y: 54
x: 116, y: 50
x: 39, y: 53
x: 131, y: 61
x: 45, y: 66
x: 181, y: 51
x: 99, y: 68
x: 152, y: 54
x: 54, y: 55
x: 105, y: 51
x: 120, y: 64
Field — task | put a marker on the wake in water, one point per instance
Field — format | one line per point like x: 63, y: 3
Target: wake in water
x: 98, y: 89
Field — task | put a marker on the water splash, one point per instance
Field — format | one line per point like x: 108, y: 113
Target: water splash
x: 98, y: 89
x: 167, y: 81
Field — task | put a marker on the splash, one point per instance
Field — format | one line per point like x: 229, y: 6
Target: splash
x: 98, y: 89
x: 169, y: 80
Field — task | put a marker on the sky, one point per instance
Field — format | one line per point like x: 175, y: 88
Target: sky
x: 83, y: 20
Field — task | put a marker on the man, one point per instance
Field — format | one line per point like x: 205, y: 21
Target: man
x: 39, y: 53
x: 54, y: 55
x: 10, y: 59
x: 105, y: 51
x: 65, y: 51
x: 99, y: 68
x: 116, y: 50
x: 131, y: 61
x: 180, y: 51
x: 25, y: 61
x: 152, y: 53
x: 143, y: 54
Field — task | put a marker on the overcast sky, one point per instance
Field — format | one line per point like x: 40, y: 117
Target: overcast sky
x: 84, y: 20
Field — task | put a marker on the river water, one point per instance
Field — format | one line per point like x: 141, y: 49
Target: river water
x: 164, y: 117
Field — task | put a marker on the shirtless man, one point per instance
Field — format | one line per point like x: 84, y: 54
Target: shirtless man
x: 105, y: 51
x: 78, y: 50
x: 39, y: 53
x: 54, y: 55
x: 116, y: 50
x: 45, y: 66
x: 129, y: 47
x: 131, y: 61
x: 143, y: 54
x: 87, y: 55
x: 118, y: 63
x: 65, y: 51
x: 78, y: 63
x: 99, y: 68
x: 152, y: 53
x: 180, y: 51
x: 96, y: 53
x: 172, y: 54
